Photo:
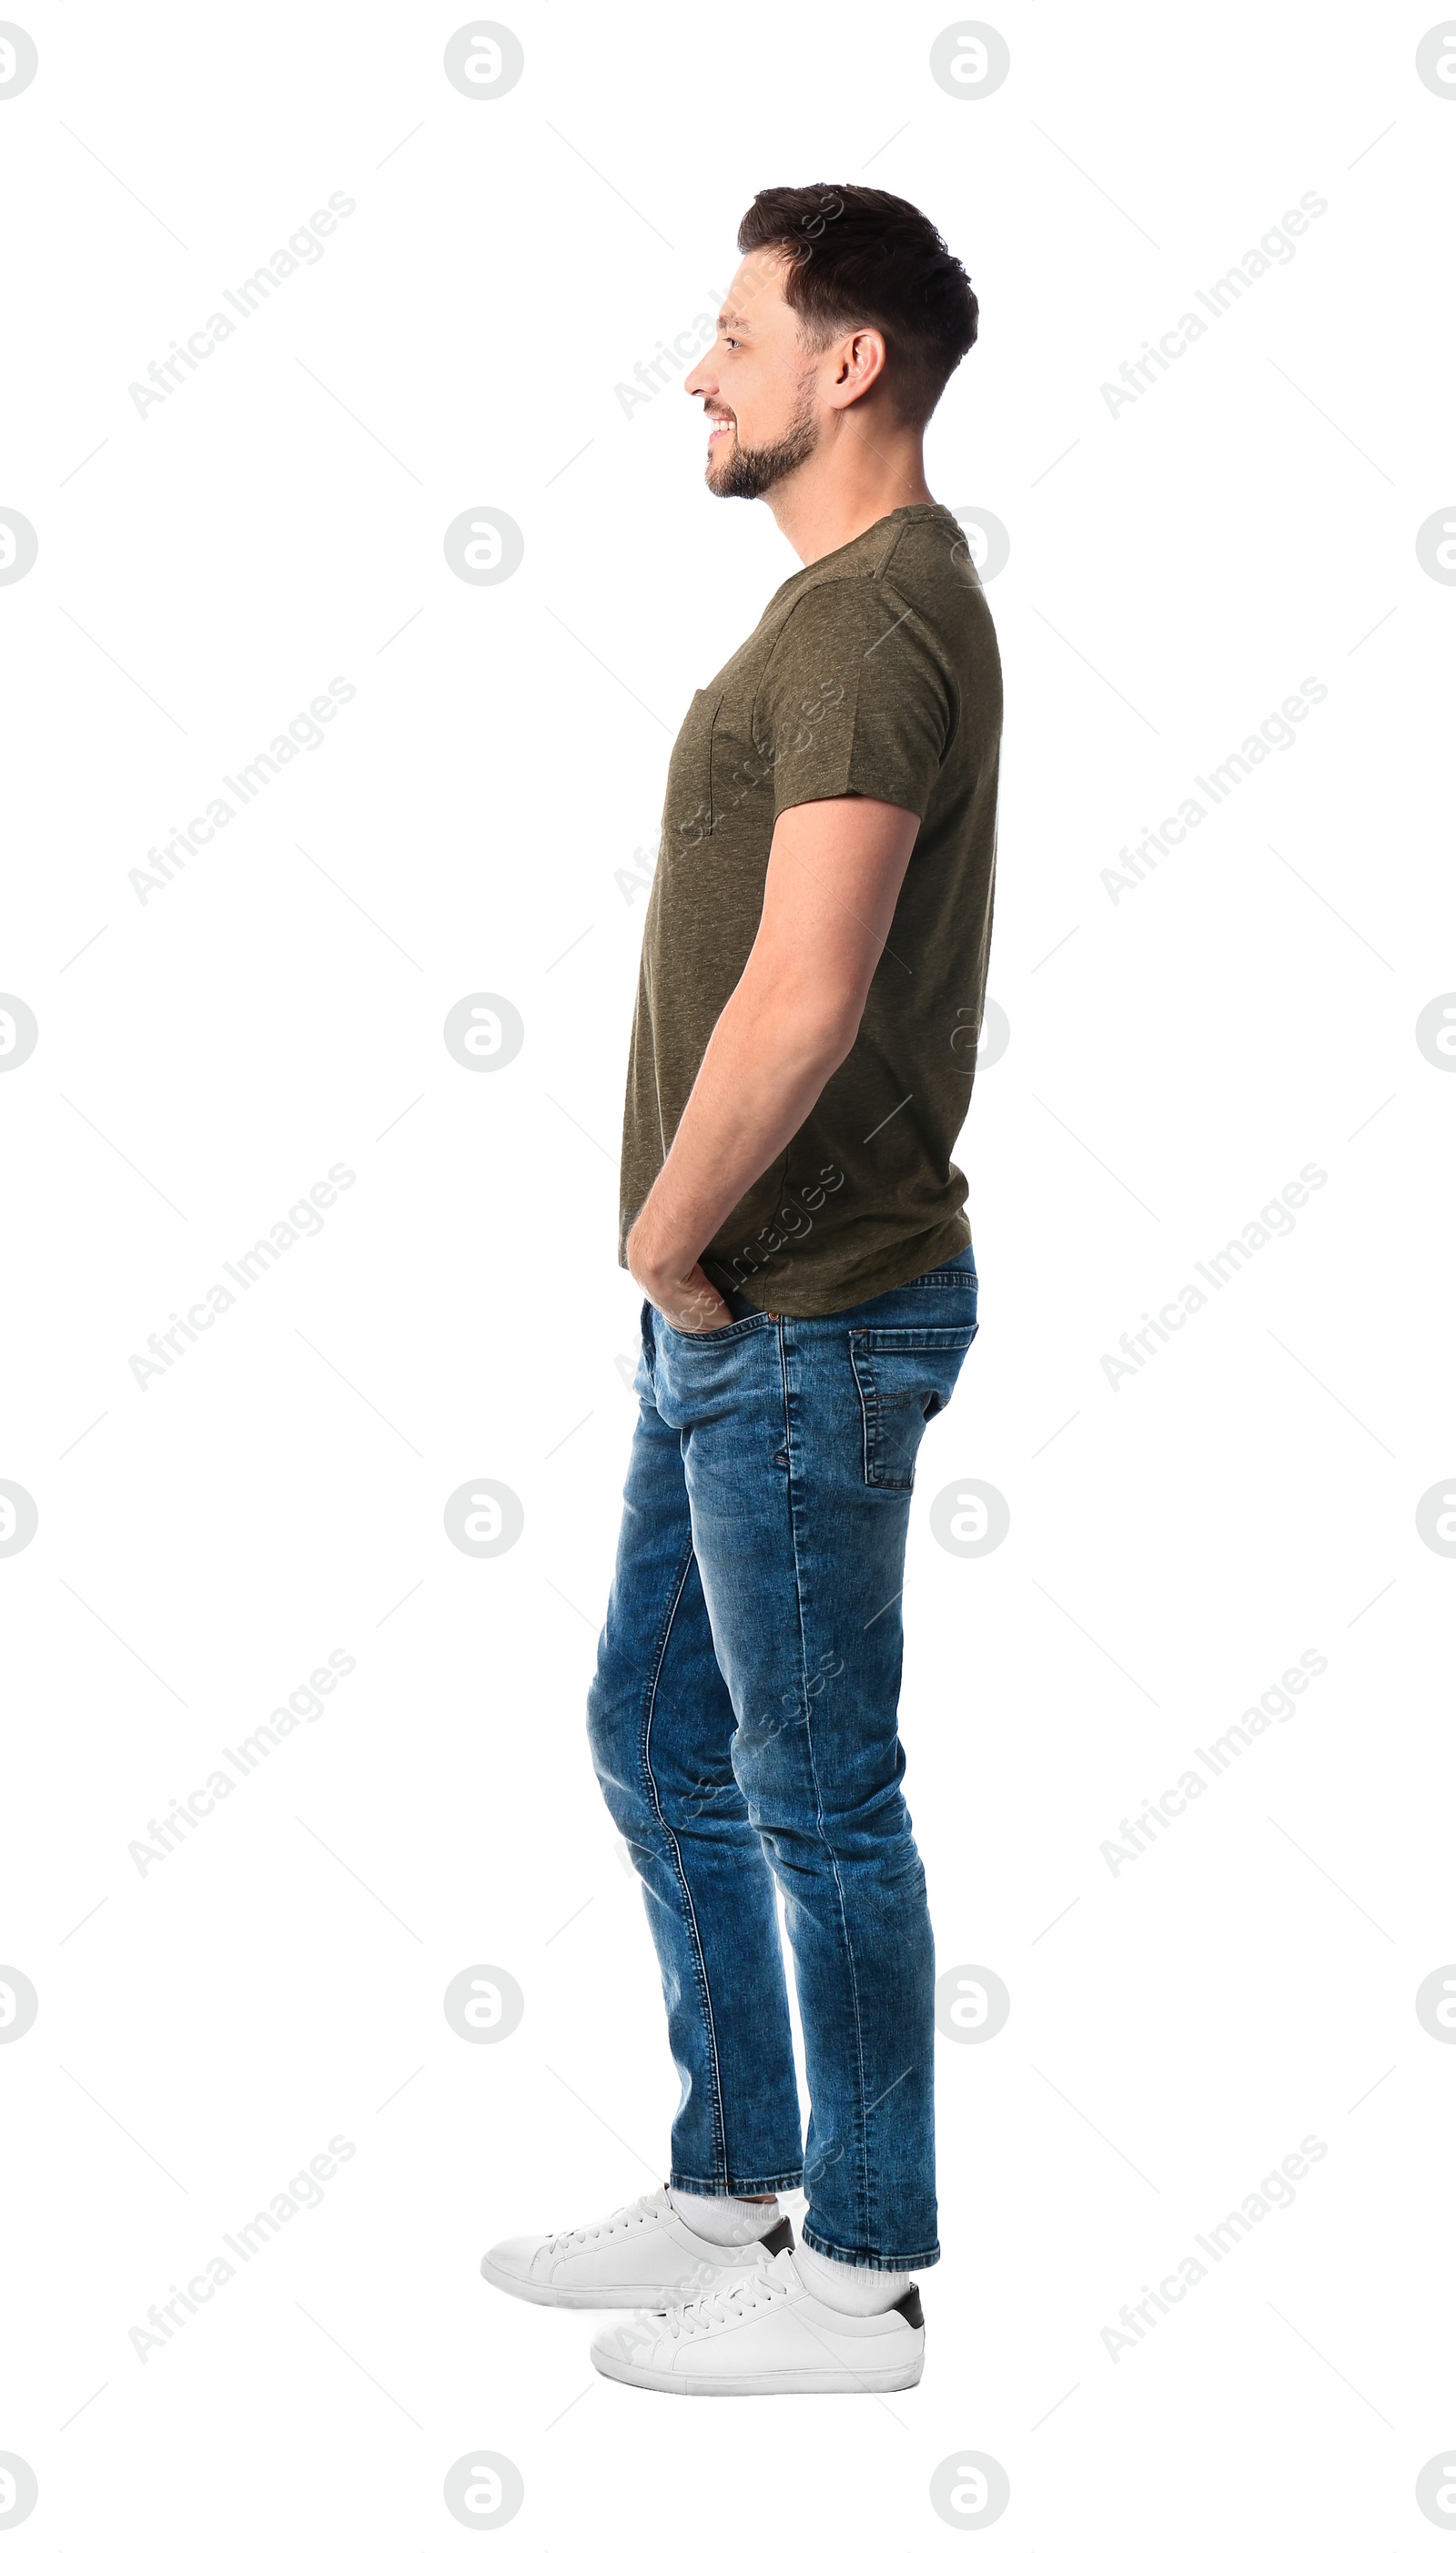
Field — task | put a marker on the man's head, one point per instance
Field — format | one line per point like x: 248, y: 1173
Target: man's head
x: 847, y: 299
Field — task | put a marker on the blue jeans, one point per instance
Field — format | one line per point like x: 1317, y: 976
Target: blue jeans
x: 743, y: 1729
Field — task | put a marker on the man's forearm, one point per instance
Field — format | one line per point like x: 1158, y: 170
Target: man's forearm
x: 834, y: 873
x: 764, y: 1068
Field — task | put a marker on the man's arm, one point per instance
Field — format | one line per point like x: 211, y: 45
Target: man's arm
x: 834, y: 873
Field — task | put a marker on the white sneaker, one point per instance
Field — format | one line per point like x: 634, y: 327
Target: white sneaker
x: 767, y: 2335
x: 644, y: 2255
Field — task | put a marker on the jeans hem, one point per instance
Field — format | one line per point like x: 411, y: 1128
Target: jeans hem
x: 736, y: 2187
x: 870, y: 2260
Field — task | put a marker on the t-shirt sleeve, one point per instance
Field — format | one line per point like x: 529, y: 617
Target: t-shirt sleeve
x: 854, y: 701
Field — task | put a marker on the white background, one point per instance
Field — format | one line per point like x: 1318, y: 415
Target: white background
x: 1175, y: 571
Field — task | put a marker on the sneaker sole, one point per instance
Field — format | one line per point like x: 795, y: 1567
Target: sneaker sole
x: 790, y: 2380
x: 601, y: 2299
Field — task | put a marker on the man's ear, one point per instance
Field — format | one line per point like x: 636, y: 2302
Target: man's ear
x: 861, y: 363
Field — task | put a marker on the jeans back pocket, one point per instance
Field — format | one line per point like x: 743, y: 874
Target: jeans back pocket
x: 904, y: 1379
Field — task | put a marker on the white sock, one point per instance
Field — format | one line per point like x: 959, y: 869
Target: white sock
x: 726, y: 2220
x: 848, y: 2286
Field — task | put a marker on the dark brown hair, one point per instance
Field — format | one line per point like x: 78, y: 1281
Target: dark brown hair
x: 862, y: 258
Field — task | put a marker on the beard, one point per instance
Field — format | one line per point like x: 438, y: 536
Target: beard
x: 752, y: 471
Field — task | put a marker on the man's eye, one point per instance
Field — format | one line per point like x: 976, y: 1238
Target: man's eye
x: 732, y: 341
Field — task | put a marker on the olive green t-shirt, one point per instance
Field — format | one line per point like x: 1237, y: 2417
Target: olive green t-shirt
x: 873, y: 673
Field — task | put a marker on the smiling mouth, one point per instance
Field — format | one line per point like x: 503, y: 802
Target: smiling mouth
x: 719, y: 426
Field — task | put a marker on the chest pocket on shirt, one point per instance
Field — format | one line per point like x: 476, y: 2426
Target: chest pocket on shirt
x: 688, y: 820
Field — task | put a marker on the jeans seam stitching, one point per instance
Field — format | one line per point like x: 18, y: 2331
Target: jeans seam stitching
x: 865, y: 1426
x: 880, y: 2261
x: 698, y: 1963
x: 863, y: 2120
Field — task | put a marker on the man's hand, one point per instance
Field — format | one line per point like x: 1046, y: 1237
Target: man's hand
x: 688, y: 1300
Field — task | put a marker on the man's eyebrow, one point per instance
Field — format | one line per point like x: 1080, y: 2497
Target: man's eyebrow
x: 732, y: 319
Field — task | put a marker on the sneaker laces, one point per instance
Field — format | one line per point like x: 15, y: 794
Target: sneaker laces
x: 638, y: 2211
x: 727, y: 2304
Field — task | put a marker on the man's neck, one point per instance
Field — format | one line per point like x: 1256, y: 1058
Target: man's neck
x: 859, y: 475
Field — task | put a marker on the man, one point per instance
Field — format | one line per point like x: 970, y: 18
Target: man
x: 812, y: 976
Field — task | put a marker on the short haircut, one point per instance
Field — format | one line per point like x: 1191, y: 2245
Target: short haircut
x: 859, y: 257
